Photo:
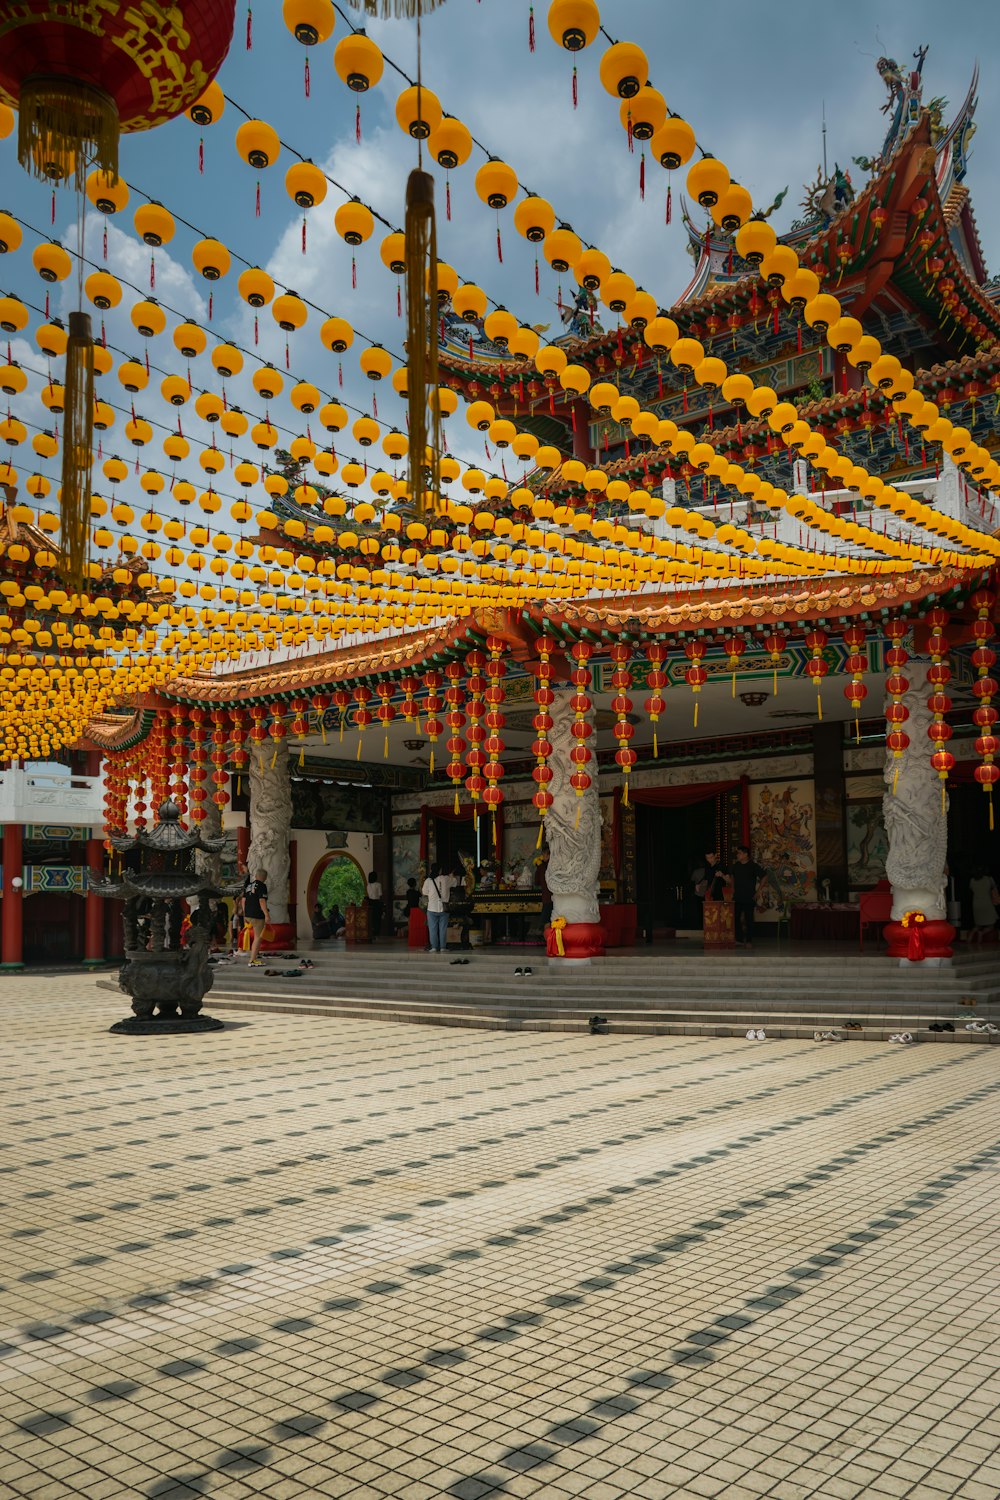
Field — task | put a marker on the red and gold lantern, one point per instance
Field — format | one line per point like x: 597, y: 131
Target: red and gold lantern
x: 857, y: 662
x: 237, y: 733
x: 938, y: 676
x: 984, y: 715
x: 196, y: 769
x: 541, y: 746
x: 362, y: 715
x: 816, y: 666
x: 475, y: 760
x: 495, y: 721
x: 775, y: 642
x: 896, y: 686
x: 342, y: 699
x: 320, y: 704
x: 385, y: 713
x: 656, y: 681
x: 258, y: 730
x: 734, y: 647
x: 621, y: 704
x: 695, y: 675
x: 454, y: 697
x: 581, y: 728
x: 433, y: 704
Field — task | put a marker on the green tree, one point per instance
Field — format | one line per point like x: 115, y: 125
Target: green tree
x: 340, y: 884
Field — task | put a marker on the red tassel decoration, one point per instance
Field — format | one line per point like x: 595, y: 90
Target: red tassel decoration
x: 201, y: 154
x: 729, y: 263
x: 53, y: 214
x: 105, y: 242
x: 499, y: 245
x: 572, y: 412
x: 399, y: 301
x: 798, y: 338
x: 470, y: 346
x: 306, y: 78
x: 670, y: 208
x: 258, y: 200
x: 531, y: 28
x: 303, y: 234
x: 711, y: 420
x: 374, y: 404
x: 46, y: 318
x: 357, y: 124
x: 288, y: 361
x: 210, y: 307
x: 249, y: 29
x: 659, y: 379
x: 256, y: 331
x: 354, y: 274
x: 447, y: 197
x: 152, y: 273
x: 576, y: 92
x: 621, y: 347
x: 536, y: 276
x: 559, y: 300
x: 642, y: 176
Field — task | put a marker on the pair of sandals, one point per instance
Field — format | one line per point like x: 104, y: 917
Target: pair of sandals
x: 283, y: 973
x: 756, y: 1035
x: 522, y: 973
x: 945, y: 1026
x: 459, y: 961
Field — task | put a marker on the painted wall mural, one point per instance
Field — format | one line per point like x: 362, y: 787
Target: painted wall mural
x: 783, y: 839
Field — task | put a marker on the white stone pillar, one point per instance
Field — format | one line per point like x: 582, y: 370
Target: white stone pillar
x: 270, y: 823
x: 915, y: 825
x: 572, y: 825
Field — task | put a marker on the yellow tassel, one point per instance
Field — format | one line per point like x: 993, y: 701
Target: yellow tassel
x: 359, y: 747
x: 656, y: 748
x: 857, y: 731
x: 342, y: 717
x: 385, y: 747
x: 577, y: 823
x: 895, y: 779
x: 819, y: 707
x: 625, y: 796
x: 989, y: 793
x: 431, y: 767
x: 734, y: 684
x: 302, y: 756
x: 422, y: 333
x: 943, y: 807
x: 260, y: 757
x: 456, y: 802
x: 494, y: 832
x: 541, y: 831
x: 775, y: 684
x: 274, y: 758
x: 65, y: 127
x: 696, y: 713
x: 322, y: 728
x: 77, y: 452
x: 239, y: 784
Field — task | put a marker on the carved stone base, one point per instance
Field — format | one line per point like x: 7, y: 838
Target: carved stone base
x: 165, y: 1025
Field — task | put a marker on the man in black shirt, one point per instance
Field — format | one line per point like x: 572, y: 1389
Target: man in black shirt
x: 255, y: 911
x: 744, y: 875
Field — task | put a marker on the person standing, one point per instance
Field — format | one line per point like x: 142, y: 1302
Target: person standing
x: 711, y: 884
x: 375, y: 904
x: 256, y: 913
x: 436, y: 890
x: 745, y: 876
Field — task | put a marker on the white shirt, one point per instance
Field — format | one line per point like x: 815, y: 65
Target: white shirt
x: 437, y: 898
x: 374, y: 890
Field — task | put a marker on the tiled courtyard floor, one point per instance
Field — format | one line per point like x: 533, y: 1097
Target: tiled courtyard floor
x: 309, y: 1257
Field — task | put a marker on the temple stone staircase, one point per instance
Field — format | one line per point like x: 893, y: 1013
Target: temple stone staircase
x: 674, y: 990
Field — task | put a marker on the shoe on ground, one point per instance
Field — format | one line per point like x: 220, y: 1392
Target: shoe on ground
x: 256, y: 963
x: 751, y: 1035
x: 526, y: 971
x: 519, y: 973
x: 761, y: 1036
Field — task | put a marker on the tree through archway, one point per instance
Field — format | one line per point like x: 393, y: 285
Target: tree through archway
x: 340, y: 885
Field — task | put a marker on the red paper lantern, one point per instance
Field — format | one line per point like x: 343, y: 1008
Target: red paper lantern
x: 81, y: 74
x: 656, y: 680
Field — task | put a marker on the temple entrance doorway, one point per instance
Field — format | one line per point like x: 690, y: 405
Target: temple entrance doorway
x: 455, y: 841
x: 670, y: 843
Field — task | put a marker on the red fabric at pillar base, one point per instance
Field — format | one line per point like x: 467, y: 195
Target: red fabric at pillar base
x: 417, y: 936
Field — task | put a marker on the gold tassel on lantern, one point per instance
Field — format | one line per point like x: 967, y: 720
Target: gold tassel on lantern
x: 65, y: 127
x: 422, y: 338
x: 77, y: 454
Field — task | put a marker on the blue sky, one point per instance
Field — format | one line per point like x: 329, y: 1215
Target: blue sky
x: 752, y: 81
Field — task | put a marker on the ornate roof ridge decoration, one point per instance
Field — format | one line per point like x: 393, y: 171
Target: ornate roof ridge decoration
x: 736, y: 296
x: 330, y: 667
x: 810, y: 598
x: 117, y: 731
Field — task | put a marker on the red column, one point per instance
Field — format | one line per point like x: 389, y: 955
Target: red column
x: 293, y: 884
x: 581, y: 437
x: 11, y: 920
x: 243, y: 842
x: 93, y: 914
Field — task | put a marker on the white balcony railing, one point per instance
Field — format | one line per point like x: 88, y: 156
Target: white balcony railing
x: 51, y: 794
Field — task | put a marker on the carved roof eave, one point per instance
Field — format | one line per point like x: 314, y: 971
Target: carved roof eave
x: 726, y: 297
